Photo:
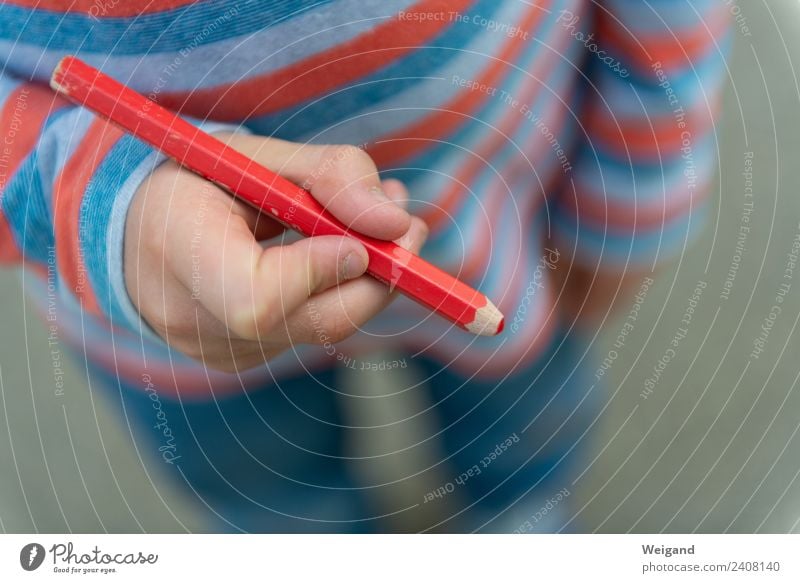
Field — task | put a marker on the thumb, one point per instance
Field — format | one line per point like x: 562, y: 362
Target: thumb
x: 282, y: 278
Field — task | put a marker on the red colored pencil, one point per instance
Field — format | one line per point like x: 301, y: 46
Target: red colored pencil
x: 281, y: 199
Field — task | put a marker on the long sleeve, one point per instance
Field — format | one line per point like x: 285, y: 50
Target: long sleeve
x: 647, y: 157
x: 67, y: 178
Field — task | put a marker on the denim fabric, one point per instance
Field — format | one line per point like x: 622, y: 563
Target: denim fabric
x: 273, y: 460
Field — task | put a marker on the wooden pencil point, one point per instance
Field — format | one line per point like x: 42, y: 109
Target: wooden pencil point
x: 489, y: 321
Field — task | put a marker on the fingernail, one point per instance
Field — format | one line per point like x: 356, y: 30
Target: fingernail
x: 353, y: 266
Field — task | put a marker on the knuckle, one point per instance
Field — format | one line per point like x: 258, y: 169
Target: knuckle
x: 337, y: 159
x: 244, y: 322
x: 255, y: 319
x: 340, y: 329
x: 322, y: 328
x: 188, y: 347
x: 176, y: 327
x: 424, y: 229
x: 360, y: 157
x: 347, y: 152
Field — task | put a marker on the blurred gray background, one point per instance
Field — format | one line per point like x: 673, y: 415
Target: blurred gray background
x: 713, y: 447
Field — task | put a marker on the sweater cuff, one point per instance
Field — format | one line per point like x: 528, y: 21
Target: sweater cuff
x: 129, y: 163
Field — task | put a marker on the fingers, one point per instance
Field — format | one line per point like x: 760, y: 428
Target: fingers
x: 246, y: 287
x: 397, y: 192
x: 261, y: 225
x: 343, y: 178
x: 341, y: 311
x: 329, y: 316
x: 293, y: 273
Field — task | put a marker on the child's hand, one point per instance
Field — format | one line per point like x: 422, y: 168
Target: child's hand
x: 198, y: 276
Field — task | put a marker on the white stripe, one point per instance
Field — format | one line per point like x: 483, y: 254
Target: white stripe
x: 59, y: 142
x: 436, y: 91
x: 263, y: 52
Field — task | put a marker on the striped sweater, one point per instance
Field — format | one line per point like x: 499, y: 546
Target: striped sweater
x: 526, y: 132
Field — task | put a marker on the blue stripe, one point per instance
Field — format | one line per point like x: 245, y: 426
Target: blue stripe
x: 607, y: 175
x: 315, y: 114
x: 170, y: 30
x: 57, y: 142
x: 448, y: 247
x: 635, y: 246
x: 24, y: 206
x: 706, y: 73
x: 471, y: 132
x: 95, y: 215
x: 695, y: 67
x: 7, y: 86
x: 26, y: 201
x: 646, y: 17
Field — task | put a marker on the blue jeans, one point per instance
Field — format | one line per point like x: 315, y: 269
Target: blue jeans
x: 273, y: 460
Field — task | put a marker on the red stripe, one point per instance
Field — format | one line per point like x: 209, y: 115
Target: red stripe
x: 113, y: 354
x: 193, y: 381
x: 478, y: 245
x: 21, y: 120
x: 528, y: 204
x: 447, y: 204
x: 452, y: 198
x: 9, y: 252
x: 479, y: 254
x: 68, y: 195
x: 625, y: 217
x: 411, y: 141
x: 522, y: 348
x: 102, y: 8
x: 649, y: 138
x: 541, y: 331
x: 320, y: 73
x: 674, y: 49
x: 39, y: 269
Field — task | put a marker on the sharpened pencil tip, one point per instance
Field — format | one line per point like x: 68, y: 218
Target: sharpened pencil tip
x: 489, y: 321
